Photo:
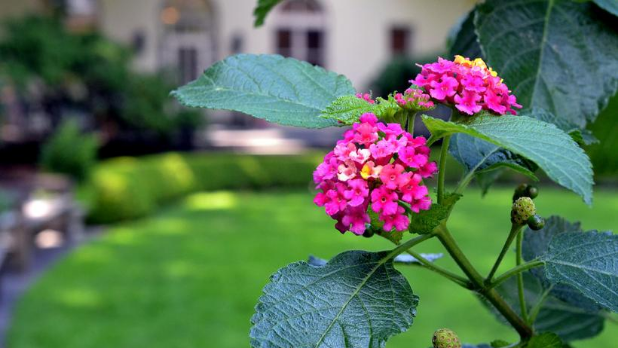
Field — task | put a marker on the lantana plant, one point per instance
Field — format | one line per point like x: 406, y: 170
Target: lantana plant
x: 376, y: 181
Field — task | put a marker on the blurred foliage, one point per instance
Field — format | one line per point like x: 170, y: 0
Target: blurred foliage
x: 396, y: 74
x: 605, y: 128
x: 127, y: 188
x: 89, y: 72
x: 69, y: 151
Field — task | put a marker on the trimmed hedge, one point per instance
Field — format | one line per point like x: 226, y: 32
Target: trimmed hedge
x: 127, y: 188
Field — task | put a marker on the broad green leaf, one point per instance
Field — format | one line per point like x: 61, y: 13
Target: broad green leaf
x: 568, y: 321
x: 482, y: 156
x: 550, y: 148
x: 465, y: 42
x: 610, y: 6
x: 588, y: 261
x: 558, y: 55
x: 347, y: 109
x: 581, y: 136
x: 262, y: 10
x: 357, y: 299
x: 546, y: 340
x: 536, y: 244
x: 427, y: 220
x: 277, y: 89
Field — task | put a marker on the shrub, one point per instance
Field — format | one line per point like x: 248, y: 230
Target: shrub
x: 70, y: 152
x: 128, y: 188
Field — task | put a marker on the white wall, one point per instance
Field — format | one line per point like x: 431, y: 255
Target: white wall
x: 357, y: 32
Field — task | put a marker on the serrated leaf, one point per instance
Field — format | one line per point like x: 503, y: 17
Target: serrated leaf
x: 550, y: 148
x: 262, y: 10
x: 581, y: 136
x: 347, y: 109
x: 588, y: 261
x: 466, y: 41
x: 610, y: 6
x: 558, y: 55
x: 426, y: 221
x: 568, y: 321
x: 536, y: 243
x: 357, y: 299
x: 276, y: 89
x: 546, y: 340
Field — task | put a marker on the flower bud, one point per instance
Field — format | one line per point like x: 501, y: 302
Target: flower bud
x: 522, y: 210
x: 520, y: 191
x: 445, y: 338
x: 532, y: 191
x: 535, y: 222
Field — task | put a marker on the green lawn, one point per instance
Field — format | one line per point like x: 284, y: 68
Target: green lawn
x: 190, y: 276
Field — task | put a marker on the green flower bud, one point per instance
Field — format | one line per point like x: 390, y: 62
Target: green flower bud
x: 536, y: 222
x: 369, y: 231
x: 522, y: 210
x: 532, y: 192
x: 520, y: 191
x: 445, y: 338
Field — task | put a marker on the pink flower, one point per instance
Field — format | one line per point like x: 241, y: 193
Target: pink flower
x: 347, y: 171
x: 360, y: 156
x: 382, y: 149
x: 410, y: 189
x: 366, y: 97
x: 357, y: 192
x: 398, y: 220
x: 343, y: 150
x: 335, y: 201
x: 391, y: 176
x: 390, y: 130
x: 356, y: 218
x: 473, y: 83
x: 366, y: 133
x: 443, y: 88
x: 370, y: 170
x: 468, y: 103
x: 428, y: 170
x: 442, y: 66
x: 423, y: 203
x: 409, y: 157
x: 384, y: 201
x: 369, y: 118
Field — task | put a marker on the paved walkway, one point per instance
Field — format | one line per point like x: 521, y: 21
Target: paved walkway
x: 13, y: 284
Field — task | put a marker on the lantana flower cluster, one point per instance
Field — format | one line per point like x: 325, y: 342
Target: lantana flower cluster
x: 376, y: 166
x: 415, y: 99
x: 468, y: 84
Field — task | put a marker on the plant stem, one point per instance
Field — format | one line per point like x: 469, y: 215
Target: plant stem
x: 442, y: 168
x: 441, y: 271
x: 520, y: 279
x: 524, y: 330
x: 534, y: 312
x: 514, y: 271
x: 408, y: 244
x: 515, y: 229
x: 410, y: 125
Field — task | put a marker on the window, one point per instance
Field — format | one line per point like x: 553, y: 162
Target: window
x: 400, y: 41
x: 300, y: 31
x: 187, y: 64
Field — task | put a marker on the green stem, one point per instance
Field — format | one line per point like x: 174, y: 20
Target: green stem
x: 442, y: 168
x: 534, y: 312
x: 520, y: 279
x: 410, y: 125
x: 441, y: 271
x: 524, y: 330
x: 409, y: 244
x: 515, y: 229
x: 514, y: 271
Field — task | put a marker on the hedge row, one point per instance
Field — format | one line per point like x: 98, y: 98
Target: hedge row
x: 128, y: 188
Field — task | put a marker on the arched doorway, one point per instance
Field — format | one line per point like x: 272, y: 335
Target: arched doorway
x: 188, y: 38
x: 301, y: 31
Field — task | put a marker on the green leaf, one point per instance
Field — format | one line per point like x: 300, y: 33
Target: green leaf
x: 262, y: 10
x: 357, y: 299
x: 546, y: 340
x: 588, y: 261
x: 581, y: 136
x: 427, y: 220
x: 277, y: 89
x: 568, y: 321
x: 499, y: 344
x: 610, y: 6
x: 347, y: 109
x: 558, y: 55
x: 466, y: 41
x: 550, y: 148
x: 482, y: 156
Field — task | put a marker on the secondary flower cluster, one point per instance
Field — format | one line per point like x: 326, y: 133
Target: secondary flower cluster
x: 376, y: 166
x: 470, y: 85
x: 414, y: 99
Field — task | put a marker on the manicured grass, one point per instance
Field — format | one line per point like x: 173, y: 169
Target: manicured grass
x: 190, y: 276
